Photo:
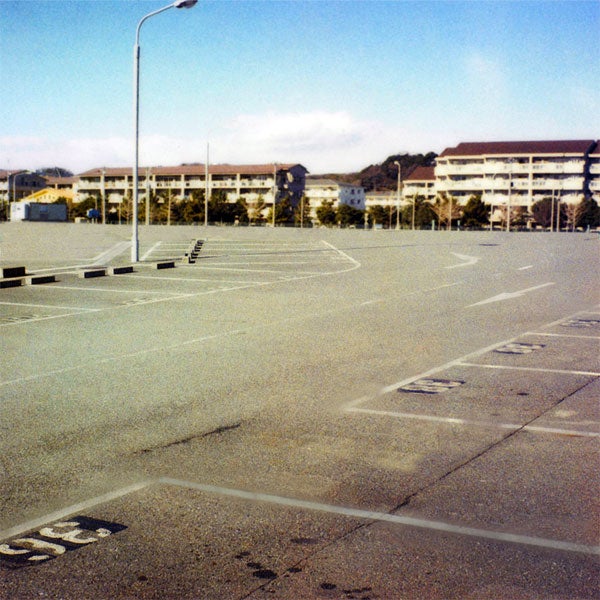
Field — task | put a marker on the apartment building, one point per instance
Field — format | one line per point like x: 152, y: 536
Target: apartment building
x: 385, y: 198
x: 15, y: 185
x: 319, y: 190
x: 516, y: 174
x: 594, y: 173
x: 247, y: 182
x: 421, y: 182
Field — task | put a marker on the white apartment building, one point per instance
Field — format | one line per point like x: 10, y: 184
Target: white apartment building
x: 594, y: 172
x: 385, y: 198
x: 318, y: 190
x: 421, y: 182
x: 247, y: 182
x: 516, y: 174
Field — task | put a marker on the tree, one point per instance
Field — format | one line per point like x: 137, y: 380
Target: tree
x: 191, y: 210
x: 347, y: 215
x: 377, y: 214
x: 446, y: 209
x: 326, y: 213
x: 302, y: 213
x: 543, y: 212
x: 475, y: 213
x: 54, y: 172
x: 284, y: 212
x: 80, y: 209
x: 254, y: 208
x: 584, y: 214
x: 385, y: 175
x: 590, y: 217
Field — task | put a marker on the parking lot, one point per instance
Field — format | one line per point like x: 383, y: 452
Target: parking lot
x: 300, y: 414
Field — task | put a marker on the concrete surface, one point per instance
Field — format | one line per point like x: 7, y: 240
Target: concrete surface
x: 300, y: 414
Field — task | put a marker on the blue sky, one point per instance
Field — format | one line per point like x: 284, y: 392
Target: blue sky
x: 335, y: 86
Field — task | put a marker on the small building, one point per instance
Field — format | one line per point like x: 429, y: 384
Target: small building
x: 320, y: 190
x: 36, y: 211
x: 50, y: 195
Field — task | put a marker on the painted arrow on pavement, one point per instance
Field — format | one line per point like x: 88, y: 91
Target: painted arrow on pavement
x: 468, y: 260
x: 510, y: 295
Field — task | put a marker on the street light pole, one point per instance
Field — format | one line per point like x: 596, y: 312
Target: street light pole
x: 398, y: 194
x: 274, y: 190
x: 135, y: 245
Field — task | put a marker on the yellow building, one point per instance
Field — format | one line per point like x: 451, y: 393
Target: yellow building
x: 50, y: 195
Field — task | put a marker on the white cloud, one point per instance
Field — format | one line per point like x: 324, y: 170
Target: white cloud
x: 21, y: 152
x: 322, y: 141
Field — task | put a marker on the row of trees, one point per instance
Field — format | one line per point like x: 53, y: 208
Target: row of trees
x: 445, y: 213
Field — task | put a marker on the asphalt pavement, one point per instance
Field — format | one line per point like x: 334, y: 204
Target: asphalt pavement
x: 299, y: 414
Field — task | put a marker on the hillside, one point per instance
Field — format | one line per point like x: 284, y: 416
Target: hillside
x: 384, y: 176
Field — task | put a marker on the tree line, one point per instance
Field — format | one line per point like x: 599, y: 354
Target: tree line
x: 443, y: 213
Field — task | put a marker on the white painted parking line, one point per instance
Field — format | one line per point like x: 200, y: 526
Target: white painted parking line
x: 147, y: 254
x: 342, y: 253
x: 497, y: 536
x: 99, y: 289
x: 72, y: 509
x: 45, y: 318
x: 29, y: 305
x: 532, y: 369
x: 569, y: 335
x: 475, y: 423
x: 353, y: 513
x: 412, y: 383
x: 109, y: 254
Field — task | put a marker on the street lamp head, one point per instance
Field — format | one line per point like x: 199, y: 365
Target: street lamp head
x: 184, y: 3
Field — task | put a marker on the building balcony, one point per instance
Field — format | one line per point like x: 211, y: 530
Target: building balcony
x: 574, y: 166
x: 505, y: 167
x: 256, y: 183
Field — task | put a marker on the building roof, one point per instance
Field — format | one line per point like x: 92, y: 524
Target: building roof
x: 316, y: 182
x: 49, y: 195
x: 422, y: 174
x: 54, y: 181
x: 196, y: 169
x: 5, y: 173
x: 596, y: 151
x: 512, y: 148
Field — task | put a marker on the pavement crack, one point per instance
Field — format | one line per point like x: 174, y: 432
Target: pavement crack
x: 406, y: 501
x: 186, y: 440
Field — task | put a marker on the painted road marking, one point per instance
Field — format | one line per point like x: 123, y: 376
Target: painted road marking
x: 78, y: 308
x: 354, y: 513
x: 475, y: 423
x: 510, y: 295
x: 109, y: 254
x: 468, y: 261
x: 355, y: 405
x: 519, y: 348
x: 147, y: 254
x: 532, y: 369
x: 55, y: 540
x: 581, y: 323
x: 430, y: 386
x: 498, y: 536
